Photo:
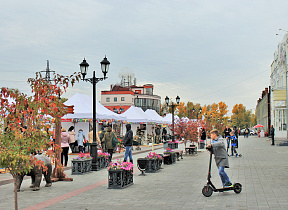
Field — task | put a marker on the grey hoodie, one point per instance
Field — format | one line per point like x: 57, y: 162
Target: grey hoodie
x: 220, y: 154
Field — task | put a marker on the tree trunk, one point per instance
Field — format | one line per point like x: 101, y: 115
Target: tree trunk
x: 15, y: 192
x: 58, y: 172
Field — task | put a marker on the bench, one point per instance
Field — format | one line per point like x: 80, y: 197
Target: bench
x: 179, y: 154
x: 191, y: 149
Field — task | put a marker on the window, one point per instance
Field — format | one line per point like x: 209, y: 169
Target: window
x: 115, y: 99
x: 107, y: 99
x: 149, y: 91
x: 122, y: 98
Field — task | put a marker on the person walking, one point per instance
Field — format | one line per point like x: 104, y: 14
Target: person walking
x: 65, y: 140
x: 246, y: 133
x: 80, y: 139
x: 108, y: 141
x: 101, y: 137
x: 221, y: 157
x: 227, y: 131
x: 128, y: 142
x: 72, y: 135
x: 236, y: 134
x: 90, y: 139
x: 202, y: 138
x: 157, y: 132
x: 272, y: 133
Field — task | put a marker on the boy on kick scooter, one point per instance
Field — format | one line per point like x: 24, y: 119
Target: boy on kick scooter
x: 233, y: 140
x: 221, y: 157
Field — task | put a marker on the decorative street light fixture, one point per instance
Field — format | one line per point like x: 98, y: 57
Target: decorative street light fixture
x: 172, y: 105
x: 118, y: 112
x: 94, y: 80
x: 200, y: 111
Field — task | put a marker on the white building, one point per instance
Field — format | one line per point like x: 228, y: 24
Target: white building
x: 278, y: 89
x: 121, y: 96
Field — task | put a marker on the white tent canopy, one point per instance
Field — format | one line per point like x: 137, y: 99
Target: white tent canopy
x: 135, y: 114
x: 168, y: 118
x: 154, y: 116
x: 83, y: 108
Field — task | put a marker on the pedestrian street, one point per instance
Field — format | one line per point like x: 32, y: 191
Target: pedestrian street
x: 262, y: 170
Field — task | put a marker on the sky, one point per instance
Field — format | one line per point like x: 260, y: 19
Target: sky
x: 204, y: 51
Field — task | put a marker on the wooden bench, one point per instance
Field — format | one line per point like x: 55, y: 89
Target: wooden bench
x: 179, y: 154
x: 191, y: 149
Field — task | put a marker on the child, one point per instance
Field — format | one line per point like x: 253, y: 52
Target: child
x: 233, y: 139
x: 221, y: 157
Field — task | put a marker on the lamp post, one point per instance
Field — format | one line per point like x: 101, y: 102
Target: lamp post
x: 200, y: 111
x: 172, y: 105
x: 94, y: 80
x: 118, y: 112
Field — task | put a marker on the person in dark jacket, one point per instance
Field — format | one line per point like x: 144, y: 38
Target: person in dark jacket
x: 272, y: 132
x: 128, y: 141
x: 221, y: 156
x: 108, y: 142
x: 227, y: 131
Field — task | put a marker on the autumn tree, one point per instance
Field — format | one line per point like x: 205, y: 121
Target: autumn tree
x: 240, y: 117
x: 181, y: 110
x: 25, y: 122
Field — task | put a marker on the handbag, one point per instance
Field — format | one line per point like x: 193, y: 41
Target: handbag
x: 114, y: 141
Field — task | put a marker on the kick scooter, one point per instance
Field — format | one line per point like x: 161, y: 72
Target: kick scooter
x: 209, y: 188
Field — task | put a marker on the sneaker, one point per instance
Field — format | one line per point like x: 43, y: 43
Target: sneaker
x: 229, y: 184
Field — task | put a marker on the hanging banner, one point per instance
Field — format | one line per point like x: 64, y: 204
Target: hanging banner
x: 66, y: 120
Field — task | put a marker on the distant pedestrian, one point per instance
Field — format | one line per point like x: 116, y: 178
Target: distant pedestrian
x: 128, y: 142
x: 235, y: 130
x: 101, y: 137
x: 72, y: 138
x: 108, y: 141
x: 202, y: 138
x: 246, y: 132
x: 221, y: 157
x: 164, y: 134
x: 227, y: 131
x: 65, y: 140
x: 157, y: 132
x: 80, y: 140
x: 90, y: 139
x: 272, y: 133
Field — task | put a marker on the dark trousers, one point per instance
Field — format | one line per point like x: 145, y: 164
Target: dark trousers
x: 233, y: 150
x: 110, y: 151
x: 65, y: 154
x: 273, y: 143
x: 72, y: 146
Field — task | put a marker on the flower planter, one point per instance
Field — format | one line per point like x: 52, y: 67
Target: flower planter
x: 118, y: 179
x: 102, y: 162
x: 173, y: 145
x: 81, y: 166
x: 172, y: 157
x: 154, y: 165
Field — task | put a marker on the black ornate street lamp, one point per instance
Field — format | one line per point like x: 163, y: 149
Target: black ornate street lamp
x: 94, y: 80
x: 172, y: 105
x: 118, y: 112
x: 200, y: 111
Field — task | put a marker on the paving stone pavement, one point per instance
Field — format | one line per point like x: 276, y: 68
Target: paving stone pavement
x: 262, y: 170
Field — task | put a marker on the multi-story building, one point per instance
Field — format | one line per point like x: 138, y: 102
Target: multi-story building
x: 121, y: 96
x: 263, y: 110
x: 278, y: 89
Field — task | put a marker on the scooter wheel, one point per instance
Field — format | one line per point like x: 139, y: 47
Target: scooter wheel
x: 207, y: 191
x: 237, y: 188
